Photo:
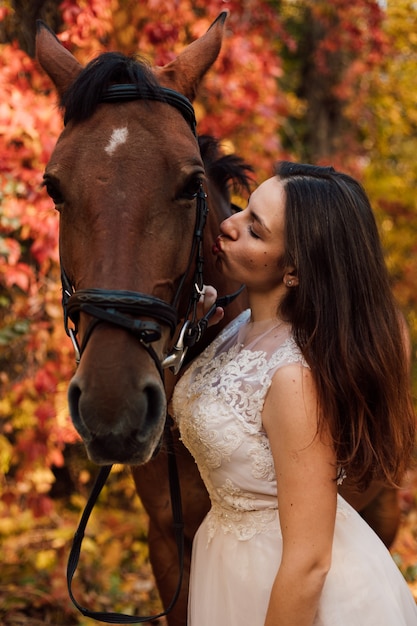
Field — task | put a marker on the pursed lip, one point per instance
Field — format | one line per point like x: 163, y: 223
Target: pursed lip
x: 217, y: 246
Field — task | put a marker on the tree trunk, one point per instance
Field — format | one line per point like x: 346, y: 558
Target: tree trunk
x: 21, y: 24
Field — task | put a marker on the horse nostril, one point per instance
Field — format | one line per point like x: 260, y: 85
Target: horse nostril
x: 155, y: 403
x: 74, y: 395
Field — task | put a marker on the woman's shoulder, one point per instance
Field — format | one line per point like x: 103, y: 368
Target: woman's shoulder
x: 288, y: 353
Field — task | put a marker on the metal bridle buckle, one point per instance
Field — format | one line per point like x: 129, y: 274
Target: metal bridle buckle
x: 175, y: 358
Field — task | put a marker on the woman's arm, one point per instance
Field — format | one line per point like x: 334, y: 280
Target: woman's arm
x: 306, y: 480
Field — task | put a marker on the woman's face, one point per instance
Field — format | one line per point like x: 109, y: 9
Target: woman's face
x: 251, y: 243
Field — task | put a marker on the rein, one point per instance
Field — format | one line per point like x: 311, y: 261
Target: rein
x: 178, y: 526
x: 122, y: 308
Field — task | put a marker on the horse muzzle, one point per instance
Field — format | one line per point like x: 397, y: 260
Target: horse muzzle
x: 119, y: 421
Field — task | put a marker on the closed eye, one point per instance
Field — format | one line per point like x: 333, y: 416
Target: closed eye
x: 252, y: 232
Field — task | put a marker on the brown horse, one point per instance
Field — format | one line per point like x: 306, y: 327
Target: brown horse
x: 124, y: 176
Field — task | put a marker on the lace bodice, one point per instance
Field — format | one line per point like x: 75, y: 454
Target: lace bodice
x: 218, y: 406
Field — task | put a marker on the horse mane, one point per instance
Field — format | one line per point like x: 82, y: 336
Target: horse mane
x: 225, y: 170
x: 110, y: 68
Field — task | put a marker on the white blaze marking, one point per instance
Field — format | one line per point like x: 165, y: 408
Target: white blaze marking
x: 118, y: 137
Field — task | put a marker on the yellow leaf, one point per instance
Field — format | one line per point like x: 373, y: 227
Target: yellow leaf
x: 45, y: 559
x: 6, y: 452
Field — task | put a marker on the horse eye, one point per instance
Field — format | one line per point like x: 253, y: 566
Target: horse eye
x: 53, y: 191
x: 191, y: 189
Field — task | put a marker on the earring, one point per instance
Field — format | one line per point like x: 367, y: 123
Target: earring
x: 289, y: 283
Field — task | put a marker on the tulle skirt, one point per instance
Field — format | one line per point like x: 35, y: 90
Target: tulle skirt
x: 231, y: 578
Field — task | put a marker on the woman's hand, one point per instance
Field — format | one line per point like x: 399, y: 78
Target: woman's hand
x: 207, y: 299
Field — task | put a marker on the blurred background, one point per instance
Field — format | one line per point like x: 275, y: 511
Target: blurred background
x: 316, y: 81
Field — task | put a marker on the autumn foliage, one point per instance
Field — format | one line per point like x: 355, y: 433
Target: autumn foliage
x: 329, y: 82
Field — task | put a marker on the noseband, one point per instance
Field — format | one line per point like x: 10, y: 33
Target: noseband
x: 122, y: 308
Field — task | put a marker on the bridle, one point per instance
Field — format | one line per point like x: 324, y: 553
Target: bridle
x: 123, y: 309
x: 118, y: 307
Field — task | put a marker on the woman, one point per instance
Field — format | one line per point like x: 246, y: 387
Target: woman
x: 309, y: 385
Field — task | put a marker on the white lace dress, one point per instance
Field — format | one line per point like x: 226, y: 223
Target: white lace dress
x: 237, y: 549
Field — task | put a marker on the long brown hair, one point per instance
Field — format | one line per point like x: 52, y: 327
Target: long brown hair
x: 346, y: 322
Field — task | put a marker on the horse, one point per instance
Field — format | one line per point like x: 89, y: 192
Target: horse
x: 129, y: 178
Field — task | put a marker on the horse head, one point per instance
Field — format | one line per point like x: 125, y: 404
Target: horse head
x: 127, y: 177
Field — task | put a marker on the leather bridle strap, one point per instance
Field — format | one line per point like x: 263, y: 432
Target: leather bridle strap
x: 178, y: 525
x: 130, y: 302
x: 126, y: 92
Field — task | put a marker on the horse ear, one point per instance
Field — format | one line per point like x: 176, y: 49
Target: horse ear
x: 186, y: 71
x: 60, y: 65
